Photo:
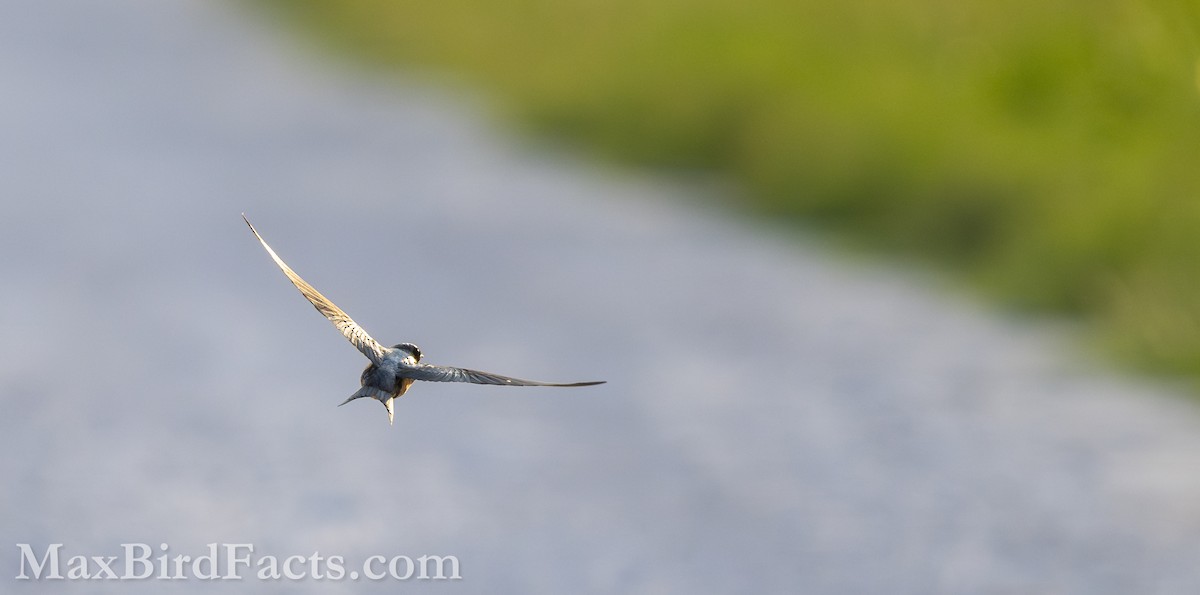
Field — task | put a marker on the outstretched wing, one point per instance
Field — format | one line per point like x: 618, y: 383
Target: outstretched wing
x: 345, y: 325
x: 449, y: 374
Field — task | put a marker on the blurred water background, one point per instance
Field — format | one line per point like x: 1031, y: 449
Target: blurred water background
x: 1044, y: 152
x: 778, y: 418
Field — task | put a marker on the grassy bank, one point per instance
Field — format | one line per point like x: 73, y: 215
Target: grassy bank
x: 1048, y: 151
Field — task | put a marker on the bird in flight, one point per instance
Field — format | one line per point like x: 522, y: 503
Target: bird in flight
x: 392, y: 369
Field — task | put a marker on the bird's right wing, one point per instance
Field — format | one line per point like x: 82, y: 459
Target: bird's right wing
x: 345, y: 325
x: 450, y: 374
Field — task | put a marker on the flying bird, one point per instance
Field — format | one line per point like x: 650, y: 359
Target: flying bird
x: 392, y: 369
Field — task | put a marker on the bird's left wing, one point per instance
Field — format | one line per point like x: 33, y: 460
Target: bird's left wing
x: 346, y: 325
x: 449, y: 374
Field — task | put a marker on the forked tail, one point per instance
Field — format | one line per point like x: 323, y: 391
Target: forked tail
x: 369, y: 391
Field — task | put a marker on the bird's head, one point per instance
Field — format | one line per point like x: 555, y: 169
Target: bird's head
x: 410, y: 349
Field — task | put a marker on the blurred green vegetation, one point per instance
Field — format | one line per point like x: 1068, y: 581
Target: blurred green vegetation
x: 1048, y: 151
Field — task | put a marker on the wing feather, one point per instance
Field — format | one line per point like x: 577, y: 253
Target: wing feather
x: 345, y: 325
x: 433, y: 373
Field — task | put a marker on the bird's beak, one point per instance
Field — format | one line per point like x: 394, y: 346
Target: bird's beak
x: 388, y: 404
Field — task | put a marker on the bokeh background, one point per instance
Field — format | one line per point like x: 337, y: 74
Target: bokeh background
x: 782, y: 414
x: 1043, y: 151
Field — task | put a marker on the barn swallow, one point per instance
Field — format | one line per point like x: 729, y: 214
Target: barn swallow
x: 392, y: 369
